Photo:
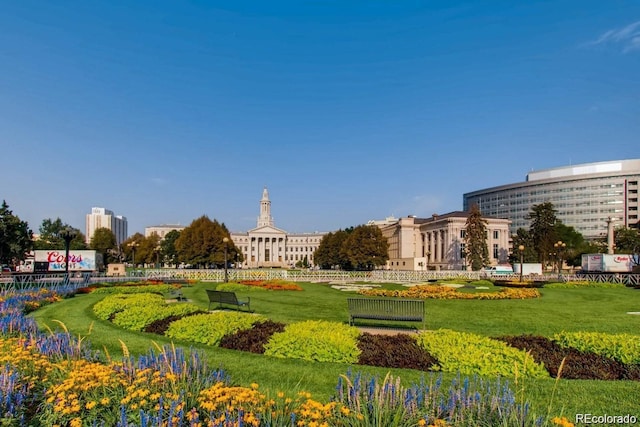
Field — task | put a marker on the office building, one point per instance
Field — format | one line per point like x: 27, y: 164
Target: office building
x: 586, y: 196
x: 104, y: 218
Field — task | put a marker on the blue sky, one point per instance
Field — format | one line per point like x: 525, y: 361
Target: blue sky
x: 347, y: 111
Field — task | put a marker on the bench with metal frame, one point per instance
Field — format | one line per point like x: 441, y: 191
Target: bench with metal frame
x: 386, y: 309
x: 227, y: 298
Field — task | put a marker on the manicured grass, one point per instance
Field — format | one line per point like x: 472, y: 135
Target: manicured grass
x: 591, y: 309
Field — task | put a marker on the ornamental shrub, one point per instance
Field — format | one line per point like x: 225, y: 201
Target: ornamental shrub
x: 112, y: 304
x: 138, y: 317
x: 472, y: 354
x: 237, y: 287
x: 316, y: 340
x: 622, y: 347
x: 209, y: 328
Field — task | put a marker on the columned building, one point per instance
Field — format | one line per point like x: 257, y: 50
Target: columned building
x: 104, y: 218
x: 267, y: 246
x: 162, y: 230
x: 437, y: 243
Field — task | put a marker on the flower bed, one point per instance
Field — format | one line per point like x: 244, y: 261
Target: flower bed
x: 447, y: 292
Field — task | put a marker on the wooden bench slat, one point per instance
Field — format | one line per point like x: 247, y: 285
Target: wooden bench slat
x: 226, y: 297
x: 386, y: 309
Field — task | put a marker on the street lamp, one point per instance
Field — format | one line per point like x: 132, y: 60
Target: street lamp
x: 559, y: 246
x: 521, y: 249
x: 67, y: 234
x: 157, y: 251
x: 226, y: 273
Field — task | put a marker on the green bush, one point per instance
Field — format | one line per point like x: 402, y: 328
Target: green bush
x: 624, y: 348
x: 237, y: 287
x: 113, y: 304
x: 138, y: 317
x: 583, y: 284
x: 313, y: 340
x: 209, y: 328
x: 472, y: 354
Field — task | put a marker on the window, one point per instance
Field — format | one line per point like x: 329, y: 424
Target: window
x: 496, y: 234
x: 463, y: 234
x: 495, y: 251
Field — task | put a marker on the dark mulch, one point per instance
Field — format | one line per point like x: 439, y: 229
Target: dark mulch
x: 577, y: 365
x: 393, y: 351
x: 253, y: 339
x: 160, y: 326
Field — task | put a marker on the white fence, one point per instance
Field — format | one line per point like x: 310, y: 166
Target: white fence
x: 30, y: 281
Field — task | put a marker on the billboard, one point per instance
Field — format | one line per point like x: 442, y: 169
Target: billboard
x: 54, y: 260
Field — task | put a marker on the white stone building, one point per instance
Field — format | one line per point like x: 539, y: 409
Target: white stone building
x: 104, y: 218
x: 437, y: 243
x: 267, y: 246
x: 162, y: 230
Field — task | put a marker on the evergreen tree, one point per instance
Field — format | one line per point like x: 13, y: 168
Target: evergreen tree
x: 16, y: 239
x: 475, y: 239
x: 50, y: 237
x: 543, y: 229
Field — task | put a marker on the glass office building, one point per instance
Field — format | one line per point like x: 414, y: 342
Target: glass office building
x: 586, y: 196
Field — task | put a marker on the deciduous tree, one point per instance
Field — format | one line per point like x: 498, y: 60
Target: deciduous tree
x: 366, y: 247
x: 104, y: 241
x: 202, y: 244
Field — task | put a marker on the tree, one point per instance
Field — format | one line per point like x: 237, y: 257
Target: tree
x: 50, y: 237
x: 168, y: 250
x: 329, y: 253
x: 16, y: 238
x: 366, y: 247
x: 129, y: 248
x: 627, y: 241
x: 523, y: 238
x: 543, y: 229
x: 202, y: 244
x: 475, y: 239
x: 575, y: 242
x: 104, y: 241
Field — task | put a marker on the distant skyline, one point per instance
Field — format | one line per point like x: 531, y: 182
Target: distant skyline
x: 346, y: 111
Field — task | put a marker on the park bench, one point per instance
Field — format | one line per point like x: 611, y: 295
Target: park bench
x: 226, y: 297
x: 386, y: 309
x: 177, y: 295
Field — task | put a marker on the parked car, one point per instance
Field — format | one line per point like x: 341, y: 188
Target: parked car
x: 5, y: 270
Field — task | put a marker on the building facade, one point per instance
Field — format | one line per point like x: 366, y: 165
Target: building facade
x: 437, y: 243
x: 162, y: 230
x: 104, y: 218
x: 267, y: 246
x: 586, y: 196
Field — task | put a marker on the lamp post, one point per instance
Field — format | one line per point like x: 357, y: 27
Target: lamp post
x: 67, y: 234
x: 559, y: 246
x: 157, y: 251
x: 133, y: 246
x: 521, y: 249
x: 226, y: 273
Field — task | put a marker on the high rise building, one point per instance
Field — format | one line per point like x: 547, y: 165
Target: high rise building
x: 104, y: 218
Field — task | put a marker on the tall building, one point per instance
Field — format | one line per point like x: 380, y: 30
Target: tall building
x: 104, y: 218
x: 437, y: 243
x: 586, y: 196
x: 268, y: 246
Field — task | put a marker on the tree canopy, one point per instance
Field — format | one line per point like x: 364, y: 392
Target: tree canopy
x: 543, y: 229
x: 202, y: 244
x: 361, y: 248
x: 51, y: 237
x: 475, y: 239
x: 104, y: 241
x: 16, y: 238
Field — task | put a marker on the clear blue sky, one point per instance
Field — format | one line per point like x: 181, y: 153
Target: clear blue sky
x: 163, y: 111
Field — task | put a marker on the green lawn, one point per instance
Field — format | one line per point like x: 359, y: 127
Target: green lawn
x: 591, y: 309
